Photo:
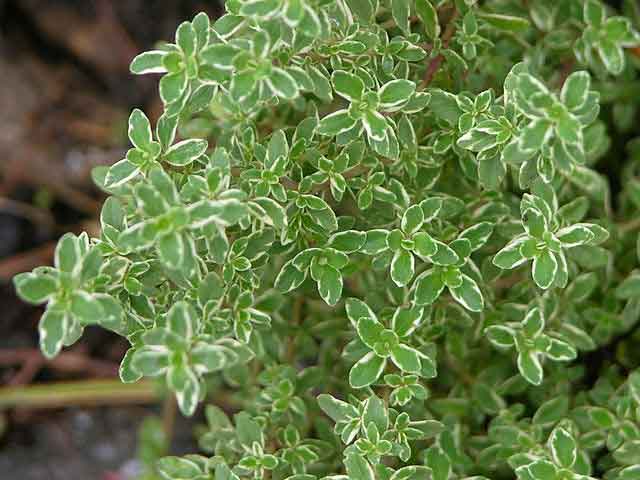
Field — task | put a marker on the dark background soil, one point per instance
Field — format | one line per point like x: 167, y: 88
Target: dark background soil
x: 65, y: 95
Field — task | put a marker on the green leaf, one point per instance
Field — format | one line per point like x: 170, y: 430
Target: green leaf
x: 67, y: 255
x: 394, y: 94
x: 282, y: 84
x: 501, y: 336
x: 612, y: 56
x: 594, y: 13
x: 540, y: 469
x: 112, y: 313
x: 437, y: 460
x: 444, y: 255
x: 330, y: 285
x: 406, y: 358
x: 347, y: 85
x: 533, y: 323
x: 357, y: 467
x: 220, y: 55
x: 166, y: 129
x: 172, y: 250
x: 529, y: 87
x: 375, y: 412
x: 335, y: 123
x: 348, y: 242
x: 431, y: 208
x: 336, y: 409
x: 402, y: 267
x: 208, y: 358
x: 126, y: 372
x: 163, y: 183
x: 183, y: 381
x: 529, y: 367
x: 376, y: 242
x: 569, y: 129
x: 363, y: 10
x: 140, y: 130
x: 185, y: 152
x: 406, y: 320
x: 242, y: 85
x: 400, y: 10
x: 183, y: 320
x: 629, y: 288
x: 510, y: 256
x: 201, y: 25
x: 551, y: 411
x: 412, y: 219
x: 35, y: 288
x: 412, y: 472
x: 248, y: 429
x: 172, y: 86
x: 321, y: 84
x: 429, y: 18
x: 366, y: 371
x: 224, y: 473
x: 133, y: 238
x: 507, y: 23
x: 289, y: 278
x: 369, y: 330
x: 560, y: 351
x: 85, y: 307
x: 600, y: 234
x: 275, y: 214
x: 428, y: 287
x: 228, y: 212
x: 535, y: 135
x: 478, y: 234
x: 563, y: 448
x: 259, y: 8
x: 444, y: 105
x: 545, y: 267
x: 120, y: 173
x: 357, y: 309
x: 629, y: 473
x: 178, y: 468
x: 148, y: 62
x: 375, y: 125
x: 575, y: 90
x: 574, y: 235
x: 186, y: 38
x: 53, y: 328
x: 468, y: 294
x: 477, y: 140
x: 487, y: 398
x: 277, y: 147
x: 150, y: 201
x: 424, y: 245
x: 112, y: 213
x: 150, y: 361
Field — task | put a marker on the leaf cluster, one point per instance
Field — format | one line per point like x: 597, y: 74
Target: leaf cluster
x: 373, y: 238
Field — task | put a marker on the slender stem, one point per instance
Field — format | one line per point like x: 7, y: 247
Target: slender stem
x: 86, y: 393
x: 169, y: 411
x: 630, y: 226
x: 436, y: 61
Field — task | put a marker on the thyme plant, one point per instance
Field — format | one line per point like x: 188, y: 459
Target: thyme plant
x: 371, y: 236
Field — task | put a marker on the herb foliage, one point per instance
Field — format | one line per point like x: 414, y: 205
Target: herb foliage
x: 376, y: 229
